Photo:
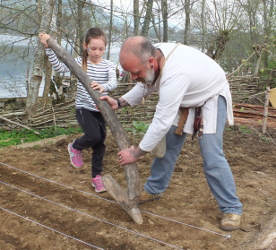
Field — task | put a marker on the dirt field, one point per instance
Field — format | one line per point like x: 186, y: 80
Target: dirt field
x: 48, y: 204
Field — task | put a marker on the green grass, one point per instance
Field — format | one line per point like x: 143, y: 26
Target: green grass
x: 16, y: 137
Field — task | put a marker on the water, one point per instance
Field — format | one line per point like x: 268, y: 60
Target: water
x: 16, y: 57
x: 14, y: 62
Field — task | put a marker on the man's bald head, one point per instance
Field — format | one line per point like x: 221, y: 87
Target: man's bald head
x: 138, y: 46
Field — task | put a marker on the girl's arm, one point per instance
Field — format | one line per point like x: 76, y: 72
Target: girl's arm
x: 112, y: 79
x: 53, y: 59
x: 57, y: 65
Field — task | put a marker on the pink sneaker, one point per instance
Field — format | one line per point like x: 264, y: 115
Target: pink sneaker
x: 98, y: 184
x: 75, y: 156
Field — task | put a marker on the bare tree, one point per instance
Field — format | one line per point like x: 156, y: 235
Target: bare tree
x: 156, y: 20
x: 79, y: 28
x: 260, y: 14
x: 110, y: 29
x: 45, y: 8
x: 136, y: 17
x: 164, y: 8
x: 252, y: 8
x: 146, y: 24
x: 222, y: 19
x: 269, y: 19
x: 187, y: 6
x: 203, y: 25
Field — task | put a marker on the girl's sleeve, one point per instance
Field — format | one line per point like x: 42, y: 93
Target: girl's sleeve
x: 112, y: 79
x: 53, y: 59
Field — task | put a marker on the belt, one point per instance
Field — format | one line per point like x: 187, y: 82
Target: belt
x: 198, y: 123
x: 181, y: 121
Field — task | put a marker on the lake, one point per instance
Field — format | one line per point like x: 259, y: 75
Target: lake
x: 16, y: 56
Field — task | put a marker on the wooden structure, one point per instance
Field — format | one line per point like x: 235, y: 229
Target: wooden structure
x: 63, y: 114
x: 128, y: 199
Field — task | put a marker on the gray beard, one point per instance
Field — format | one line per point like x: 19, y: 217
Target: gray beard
x: 149, y: 77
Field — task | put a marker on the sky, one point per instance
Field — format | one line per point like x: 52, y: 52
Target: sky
x: 122, y: 4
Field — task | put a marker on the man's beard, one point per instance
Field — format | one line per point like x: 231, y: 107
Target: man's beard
x: 149, y: 78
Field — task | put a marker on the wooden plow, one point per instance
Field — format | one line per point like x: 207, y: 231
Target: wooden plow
x: 127, y: 199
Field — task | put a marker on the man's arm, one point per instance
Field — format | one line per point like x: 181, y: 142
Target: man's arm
x: 122, y: 102
x: 137, y: 152
x: 115, y: 103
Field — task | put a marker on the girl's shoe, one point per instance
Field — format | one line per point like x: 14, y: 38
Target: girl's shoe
x: 75, y: 156
x: 98, y: 184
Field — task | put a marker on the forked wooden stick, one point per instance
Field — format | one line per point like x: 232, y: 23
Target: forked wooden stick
x: 128, y: 199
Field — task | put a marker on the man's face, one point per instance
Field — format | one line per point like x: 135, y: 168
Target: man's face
x: 141, y: 72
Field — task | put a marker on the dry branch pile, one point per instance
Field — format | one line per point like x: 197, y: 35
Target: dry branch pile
x: 243, y: 88
x: 54, y: 115
x: 252, y: 115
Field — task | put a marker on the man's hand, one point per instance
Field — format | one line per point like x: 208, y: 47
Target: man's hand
x: 130, y: 155
x: 112, y: 102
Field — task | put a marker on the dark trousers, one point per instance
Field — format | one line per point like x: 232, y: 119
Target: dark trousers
x: 94, y: 127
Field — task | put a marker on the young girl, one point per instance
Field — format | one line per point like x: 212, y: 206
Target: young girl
x: 103, y: 76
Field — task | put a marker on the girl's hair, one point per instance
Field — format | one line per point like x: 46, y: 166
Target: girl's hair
x: 91, y: 33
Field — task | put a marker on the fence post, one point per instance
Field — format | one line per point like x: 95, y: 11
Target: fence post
x: 266, y: 109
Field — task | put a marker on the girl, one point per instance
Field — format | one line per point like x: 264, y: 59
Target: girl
x: 103, y: 76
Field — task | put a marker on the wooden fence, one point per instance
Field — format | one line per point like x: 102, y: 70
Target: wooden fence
x: 243, y: 90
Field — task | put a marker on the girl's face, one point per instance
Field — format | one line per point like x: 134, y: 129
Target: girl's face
x: 95, y: 50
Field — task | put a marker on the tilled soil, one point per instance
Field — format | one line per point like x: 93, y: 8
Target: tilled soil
x: 48, y: 204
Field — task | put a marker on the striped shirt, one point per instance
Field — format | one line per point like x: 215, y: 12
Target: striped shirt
x: 103, y: 73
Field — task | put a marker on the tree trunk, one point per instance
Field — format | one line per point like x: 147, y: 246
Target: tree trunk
x: 187, y: 22
x: 56, y: 24
x: 129, y: 198
x: 156, y: 28
x: 258, y: 51
x: 36, y: 74
x: 268, y: 12
x: 136, y: 18
x: 80, y: 33
x: 164, y: 8
x: 145, y: 29
x: 48, y: 80
x: 203, y: 25
x: 110, y: 29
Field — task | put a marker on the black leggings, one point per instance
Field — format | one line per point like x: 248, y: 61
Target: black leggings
x: 94, y: 128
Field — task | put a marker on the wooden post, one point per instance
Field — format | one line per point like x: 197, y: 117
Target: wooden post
x: 129, y: 198
x: 266, y: 109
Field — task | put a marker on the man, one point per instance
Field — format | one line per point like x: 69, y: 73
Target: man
x: 184, y: 78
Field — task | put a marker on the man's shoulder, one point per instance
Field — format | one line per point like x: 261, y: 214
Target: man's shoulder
x: 164, y: 45
x: 167, y: 48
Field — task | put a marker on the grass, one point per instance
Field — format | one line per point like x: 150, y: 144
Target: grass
x: 16, y: 137
x: 138, y: 127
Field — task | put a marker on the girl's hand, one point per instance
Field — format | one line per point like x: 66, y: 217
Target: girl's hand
x: 43, y: 39
x: 97, y: 86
